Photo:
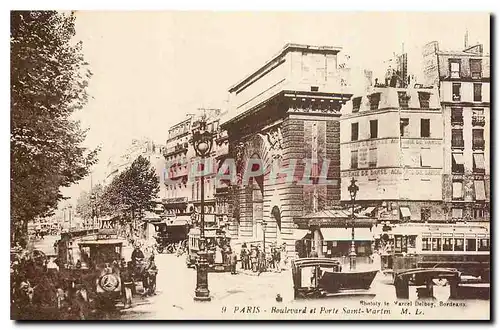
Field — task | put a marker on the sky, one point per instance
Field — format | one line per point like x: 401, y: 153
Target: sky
x: 152, y: 68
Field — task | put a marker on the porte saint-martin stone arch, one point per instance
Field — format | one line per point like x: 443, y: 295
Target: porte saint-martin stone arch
x: 254, y: 162
x: 279, y: 114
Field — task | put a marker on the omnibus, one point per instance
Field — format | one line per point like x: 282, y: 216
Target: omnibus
x: 463, y: 247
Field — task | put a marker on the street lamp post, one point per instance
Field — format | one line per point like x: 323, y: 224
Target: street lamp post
x: 353, y: 190
x: 202, y: 143
x: 264, y: 226
x: 94, y: 211
x: 70, y: 216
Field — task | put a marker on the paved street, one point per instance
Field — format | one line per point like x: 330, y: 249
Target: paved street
x: 245, y: 295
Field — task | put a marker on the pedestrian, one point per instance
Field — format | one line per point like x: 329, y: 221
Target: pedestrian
x: 128, y: 283
x: 271, y: 258
x: 227, y: 254
x: 247, y: 259
x: 277, y: 259
x: 261, y: 261
x: 243, y: 255
x: 253, y: 258
x: 234, y: 261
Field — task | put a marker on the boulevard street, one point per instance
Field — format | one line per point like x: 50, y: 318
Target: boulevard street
x: 245, y: 295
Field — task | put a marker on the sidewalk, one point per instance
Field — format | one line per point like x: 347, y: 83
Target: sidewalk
x: 250, y: 272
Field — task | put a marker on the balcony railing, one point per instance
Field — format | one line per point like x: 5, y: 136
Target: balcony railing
x: 476, y: 75
x: 478, y: 120
x: 478, y: 145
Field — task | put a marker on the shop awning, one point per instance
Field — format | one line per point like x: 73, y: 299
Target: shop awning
x: 343, y: 234
x: 479, y: 161
x: 405, y: 212
x: 179, y: 221
x: 459, y: 159
x: 480, y: 191
x: 299, y: 234
x: 369, y: 210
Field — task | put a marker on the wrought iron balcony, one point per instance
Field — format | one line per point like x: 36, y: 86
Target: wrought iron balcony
x: 478, y: 120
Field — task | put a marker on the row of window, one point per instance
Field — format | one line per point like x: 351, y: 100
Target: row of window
x: 456, y: 214
x: 457, y: 138
x: 455, y: 244
x: 403, y: 99
x: 458, y: 190
x: 457, y: 116
x: 457, y: 93
x: 458, y: 161
x: 411, y: 157
x: 425, y: 128
x: 474, y: 64
x: 372, y: 158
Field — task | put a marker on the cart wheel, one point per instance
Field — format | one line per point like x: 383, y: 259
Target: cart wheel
x: 159, y: 248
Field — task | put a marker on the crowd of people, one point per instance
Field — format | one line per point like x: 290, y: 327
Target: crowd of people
x: 42, y: 289
x: 257, y: 260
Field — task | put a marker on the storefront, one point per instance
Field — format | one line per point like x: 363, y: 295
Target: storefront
x: 329, y: 233
x: 337, y: 241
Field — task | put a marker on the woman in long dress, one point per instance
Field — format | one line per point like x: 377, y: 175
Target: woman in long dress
x: 218, y: 255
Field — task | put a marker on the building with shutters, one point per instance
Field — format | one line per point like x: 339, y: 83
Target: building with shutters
x: 391, y: 143
x: 177, y: 154
x: 463, y: 79
x: 183, y: 189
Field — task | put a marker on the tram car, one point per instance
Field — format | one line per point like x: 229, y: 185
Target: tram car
x: 171, y: 235
x: 217, y: 244
x: 465, y: 248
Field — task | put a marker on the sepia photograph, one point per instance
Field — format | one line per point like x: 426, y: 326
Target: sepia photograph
x: 249, y: 165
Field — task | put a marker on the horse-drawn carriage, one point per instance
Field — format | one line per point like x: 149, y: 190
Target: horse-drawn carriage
x: 171, y: 235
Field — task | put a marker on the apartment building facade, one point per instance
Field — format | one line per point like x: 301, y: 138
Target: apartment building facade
x: 463, y: 78
x: 391, y: 143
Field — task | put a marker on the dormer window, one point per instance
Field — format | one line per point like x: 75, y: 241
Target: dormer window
x: 374, y: 101
x: 403, y: 100
x: 423, y: 98
x: 356, y: 104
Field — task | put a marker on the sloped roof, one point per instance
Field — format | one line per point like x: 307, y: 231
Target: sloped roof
x: 332, y: 214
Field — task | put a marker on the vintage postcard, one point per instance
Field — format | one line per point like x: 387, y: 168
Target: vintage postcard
x: 250, y: 165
